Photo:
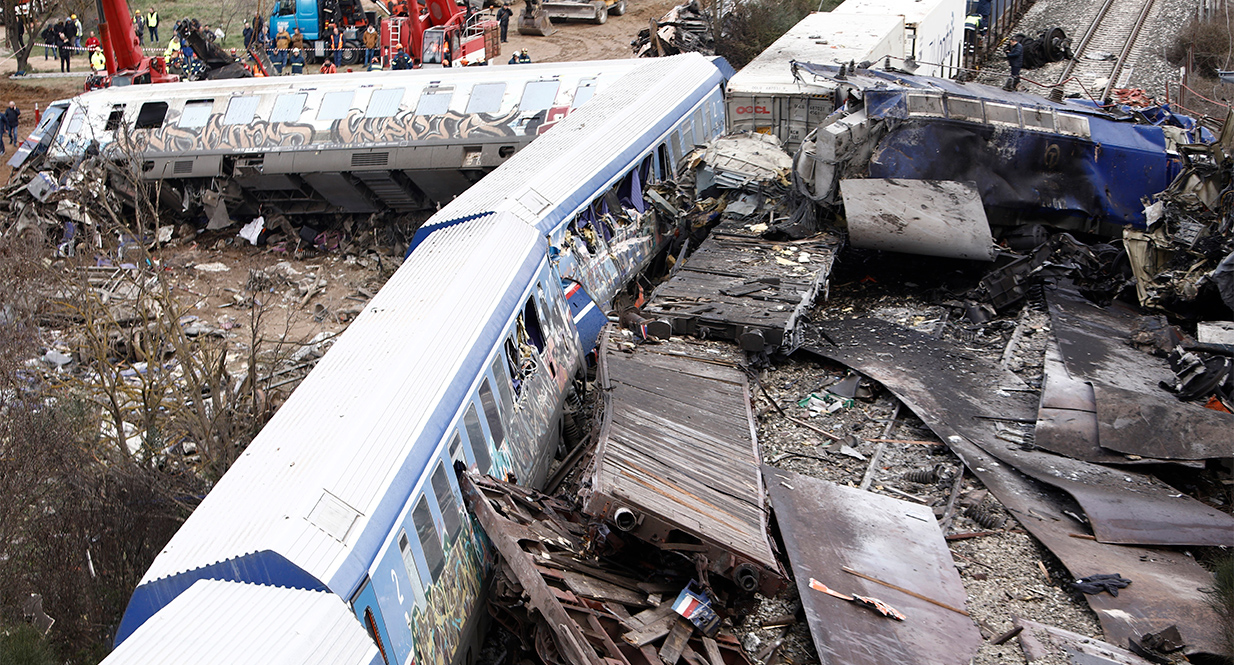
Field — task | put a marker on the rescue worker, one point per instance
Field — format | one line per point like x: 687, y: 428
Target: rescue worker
x: 93, y: 42
x: 445, y: 57
x: 152, y: 25
x: 296, y: 61
x: 374, y: 65
x: 336, y: 45
x: 523, y: 58
x: 98, y: 61
x: 282, y: 42
x: 503, y: 19
x: 401, y: 61
x: 76, y: 31
x: 513, y: 58
x: 139, y: 26
x: 371, y: 41
x: 1015, y: 60
x: 297, y: 39
x: 328, y: 67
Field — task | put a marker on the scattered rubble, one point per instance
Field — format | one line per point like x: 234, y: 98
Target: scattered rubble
x: 686, y: 28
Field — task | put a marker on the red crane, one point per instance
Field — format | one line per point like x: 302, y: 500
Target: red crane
x: 126, y: 63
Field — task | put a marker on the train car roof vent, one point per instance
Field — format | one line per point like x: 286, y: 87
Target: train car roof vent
x: 333, y: 516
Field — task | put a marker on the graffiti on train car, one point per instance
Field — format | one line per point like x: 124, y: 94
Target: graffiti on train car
x: 407, y: 126
x: 214, y: 135
x: 437, y: 629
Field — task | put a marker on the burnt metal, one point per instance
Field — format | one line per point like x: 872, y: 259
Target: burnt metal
x: 827, y: 527
x: 1041, y: 641
x: 677, y: 460
x: 1166, y: 582
x: 713, y: 295
x: 1123, y: 506
x: 1134, y: 415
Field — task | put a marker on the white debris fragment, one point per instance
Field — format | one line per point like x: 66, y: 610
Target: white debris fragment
x: 252, y: 231
x: 212, y: 267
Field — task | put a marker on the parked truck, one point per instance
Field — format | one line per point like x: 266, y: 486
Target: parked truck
x: 434, y: 33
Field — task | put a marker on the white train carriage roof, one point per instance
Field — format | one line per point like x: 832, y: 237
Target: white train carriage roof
x: 548, y: 181
x: 310, y: 501
x: 822, y: 38
x: 231, y: 622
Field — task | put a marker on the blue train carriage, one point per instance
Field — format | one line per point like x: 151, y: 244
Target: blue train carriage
x: 582, y: 184
x: 464, y: 357
x: 1071, y: 163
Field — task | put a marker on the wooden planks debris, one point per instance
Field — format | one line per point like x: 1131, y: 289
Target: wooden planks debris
x: 741, y: 287
x: 677, y: 461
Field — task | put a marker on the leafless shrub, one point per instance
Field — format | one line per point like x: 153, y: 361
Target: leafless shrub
x: 1209, y: 42
x: 752, y: 26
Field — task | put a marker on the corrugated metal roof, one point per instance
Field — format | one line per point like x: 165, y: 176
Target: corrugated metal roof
x: 321, y: 485
x: 591, y: 145
x: 235, y: 623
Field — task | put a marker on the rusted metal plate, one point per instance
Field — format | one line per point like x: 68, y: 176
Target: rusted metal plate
x: 1134, y: 415
x: 741, y: 287
x: 1041, y: 641
x: 1167, y: 585
x: 931, y: 217
x: 827, y: 527
x: 678, y: 458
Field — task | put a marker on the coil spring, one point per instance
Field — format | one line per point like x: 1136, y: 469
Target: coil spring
x: 987, y: 516
x: 926, y: 476
x: 1036, y: 296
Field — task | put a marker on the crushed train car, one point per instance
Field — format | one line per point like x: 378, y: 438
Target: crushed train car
x: 1069, y: 164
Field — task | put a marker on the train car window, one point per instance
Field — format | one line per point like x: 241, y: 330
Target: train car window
x: 196, y: 113
x: 475, y: 437
x: 430, y: 541
x: 630, y: 191
x: 531, y: 320
x: 78, y: 119
x: 240, y: 110
x: 700, y: 130
x: 434, y: 101
x: 384, y: 103
x: 409, y: 559
x: 151, y: 115
x: 706, y: 112
x: 663, y: 168
x: 675, y: 145
x: 287, y: 108
x: 486, y: 98
x: 491, y: 414
x: 538, y: 95
x: 687, y: 136
x: 335, y: 105
x: 586, y: 90
x: 446, y: 501
x: 503, y: 380
x: 115, y: 118
x: 456, y: 449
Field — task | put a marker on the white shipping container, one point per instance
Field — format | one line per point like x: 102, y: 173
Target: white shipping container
x: 933, y: 30
x: 764, y: 96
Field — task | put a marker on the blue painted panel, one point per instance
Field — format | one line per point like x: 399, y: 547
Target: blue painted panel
x: 397, y: 597
x: 367, y: 599
x: 587, y: 316
x: 264, y: 567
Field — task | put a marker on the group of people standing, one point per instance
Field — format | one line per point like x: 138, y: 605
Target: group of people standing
x: 62, y: 38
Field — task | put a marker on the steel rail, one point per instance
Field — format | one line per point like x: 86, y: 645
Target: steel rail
x: 1083, y: 45
x: 1122, y: 57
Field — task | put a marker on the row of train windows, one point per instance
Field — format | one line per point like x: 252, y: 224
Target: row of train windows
x: 382, y: 103
x: 493, y: 403
x: 432, y: 543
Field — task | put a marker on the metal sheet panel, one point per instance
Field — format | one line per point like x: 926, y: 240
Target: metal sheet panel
x: 1168, y: 585
x: 930, y: 217
x: 826, y: 527
x: 1134, y: 414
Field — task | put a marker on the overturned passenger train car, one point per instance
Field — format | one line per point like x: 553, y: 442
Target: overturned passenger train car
x: 357, y: 143
x: 339, y: 536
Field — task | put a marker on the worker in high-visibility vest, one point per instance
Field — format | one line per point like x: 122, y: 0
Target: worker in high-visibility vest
x: 152, y: 25
x: 98, y: 61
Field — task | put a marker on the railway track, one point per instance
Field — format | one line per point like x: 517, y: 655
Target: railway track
x: 1103, y: 51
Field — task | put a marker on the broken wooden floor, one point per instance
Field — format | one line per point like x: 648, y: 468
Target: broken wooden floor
x: 741, y: 287
x: 677, y: 463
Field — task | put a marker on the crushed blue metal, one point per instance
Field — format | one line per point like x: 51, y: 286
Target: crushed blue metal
x: 1073, y: 164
